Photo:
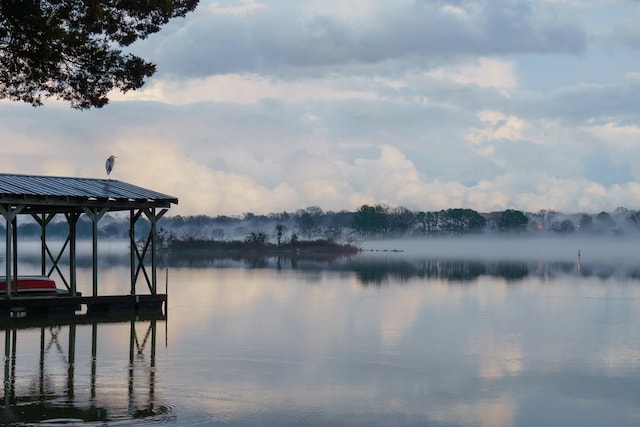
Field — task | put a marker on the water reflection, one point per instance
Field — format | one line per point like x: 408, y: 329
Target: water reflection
x: 377, y: 269
x: 268, y: 346
x: 50, y: 393
x: 308, y: 341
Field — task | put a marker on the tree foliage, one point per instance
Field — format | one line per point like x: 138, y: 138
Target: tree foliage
x: 512, y: 220
x: 564, y: 226
x: 371, y: 220
x: 451, y: 221
x: 458, y: 221
x: 71, y: 50
x: 400, y: 220
x: 306, y: 221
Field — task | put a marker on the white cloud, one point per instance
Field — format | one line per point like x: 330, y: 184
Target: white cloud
x: 621, y: 142
x: 242, y: 89
x: 622, y: 136
x: 295, y: 39
x: 498, y: 126
x: 634, y: 76
x: 162, y: 166
x: 485, y: 72
x: 277, y: 105
x: 241, y: 7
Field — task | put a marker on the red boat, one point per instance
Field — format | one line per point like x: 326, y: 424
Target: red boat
x: 34, y: 285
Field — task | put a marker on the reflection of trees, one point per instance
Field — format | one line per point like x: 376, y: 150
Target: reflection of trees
x: 378, y: 269
x: 256, y: 261
x: 377, y: 273
x: 457, y: 271
x: 451, y: 270
x: 509, y: 270
x: 253, y: 260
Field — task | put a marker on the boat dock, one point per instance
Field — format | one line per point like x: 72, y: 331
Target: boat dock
x: 46, y: 198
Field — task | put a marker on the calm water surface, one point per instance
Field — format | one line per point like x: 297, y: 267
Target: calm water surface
x: 381, y: 339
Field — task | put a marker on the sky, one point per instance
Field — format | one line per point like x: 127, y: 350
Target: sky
x: 277, y: 105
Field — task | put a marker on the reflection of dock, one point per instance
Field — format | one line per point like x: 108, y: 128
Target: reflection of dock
x: 31, y: 322
x: 45, y: 399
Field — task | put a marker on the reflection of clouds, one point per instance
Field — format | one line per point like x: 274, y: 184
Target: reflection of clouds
x: 495, y: 413
x: 490, y: 293
x: 617, y: 361
x: 399, y: 316
x: 198, y: 296
x: 498, y: 356
x: 443, y: 351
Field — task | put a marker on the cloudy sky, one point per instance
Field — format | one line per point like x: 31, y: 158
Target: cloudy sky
x: 270, y: 105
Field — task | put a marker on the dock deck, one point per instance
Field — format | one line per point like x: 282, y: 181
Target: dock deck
x: 69, y: 306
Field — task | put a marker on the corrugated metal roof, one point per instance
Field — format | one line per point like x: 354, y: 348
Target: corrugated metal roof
x: 34, y: 186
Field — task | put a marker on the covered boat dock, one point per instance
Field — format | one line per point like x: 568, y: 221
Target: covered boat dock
x: 44, y: 198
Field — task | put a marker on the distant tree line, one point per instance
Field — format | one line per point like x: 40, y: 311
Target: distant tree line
x: 108, y: 227
x: 367, y: 222
x: 381, y: 221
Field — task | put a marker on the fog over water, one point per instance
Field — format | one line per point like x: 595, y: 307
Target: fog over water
x: 605, y: 249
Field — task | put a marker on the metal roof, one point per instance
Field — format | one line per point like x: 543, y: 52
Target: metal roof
x: 61, y: 192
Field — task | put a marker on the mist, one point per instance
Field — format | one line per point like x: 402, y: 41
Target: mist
x: 583, y: 249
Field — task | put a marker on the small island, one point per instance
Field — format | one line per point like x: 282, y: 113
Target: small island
x: 256, y: 245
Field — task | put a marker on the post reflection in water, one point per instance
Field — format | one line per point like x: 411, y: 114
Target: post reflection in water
x: 51, y: 398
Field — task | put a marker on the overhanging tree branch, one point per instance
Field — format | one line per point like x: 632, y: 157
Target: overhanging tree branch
x: 70, y: 49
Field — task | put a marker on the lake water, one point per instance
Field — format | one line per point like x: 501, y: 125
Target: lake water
x: 477, y: 334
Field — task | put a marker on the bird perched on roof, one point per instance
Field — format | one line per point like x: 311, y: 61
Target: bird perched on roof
x: 109, y: 164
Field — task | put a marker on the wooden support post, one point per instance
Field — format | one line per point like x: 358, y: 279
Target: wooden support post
x: 9, y: 213
x: 72, y: 219
x: 14, y: 238
x: 8, y: 257
x: 95, y: 216
x: 132, y: 247
x: 94, y: 255
x: 43, y: 244
x: 154, y: 239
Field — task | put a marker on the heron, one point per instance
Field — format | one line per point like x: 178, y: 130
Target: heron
x: 109, y: 163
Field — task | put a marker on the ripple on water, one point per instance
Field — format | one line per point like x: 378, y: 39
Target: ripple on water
x: 215, y: 408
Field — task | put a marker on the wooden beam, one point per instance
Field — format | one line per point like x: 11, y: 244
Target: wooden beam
x: 43, y: 220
